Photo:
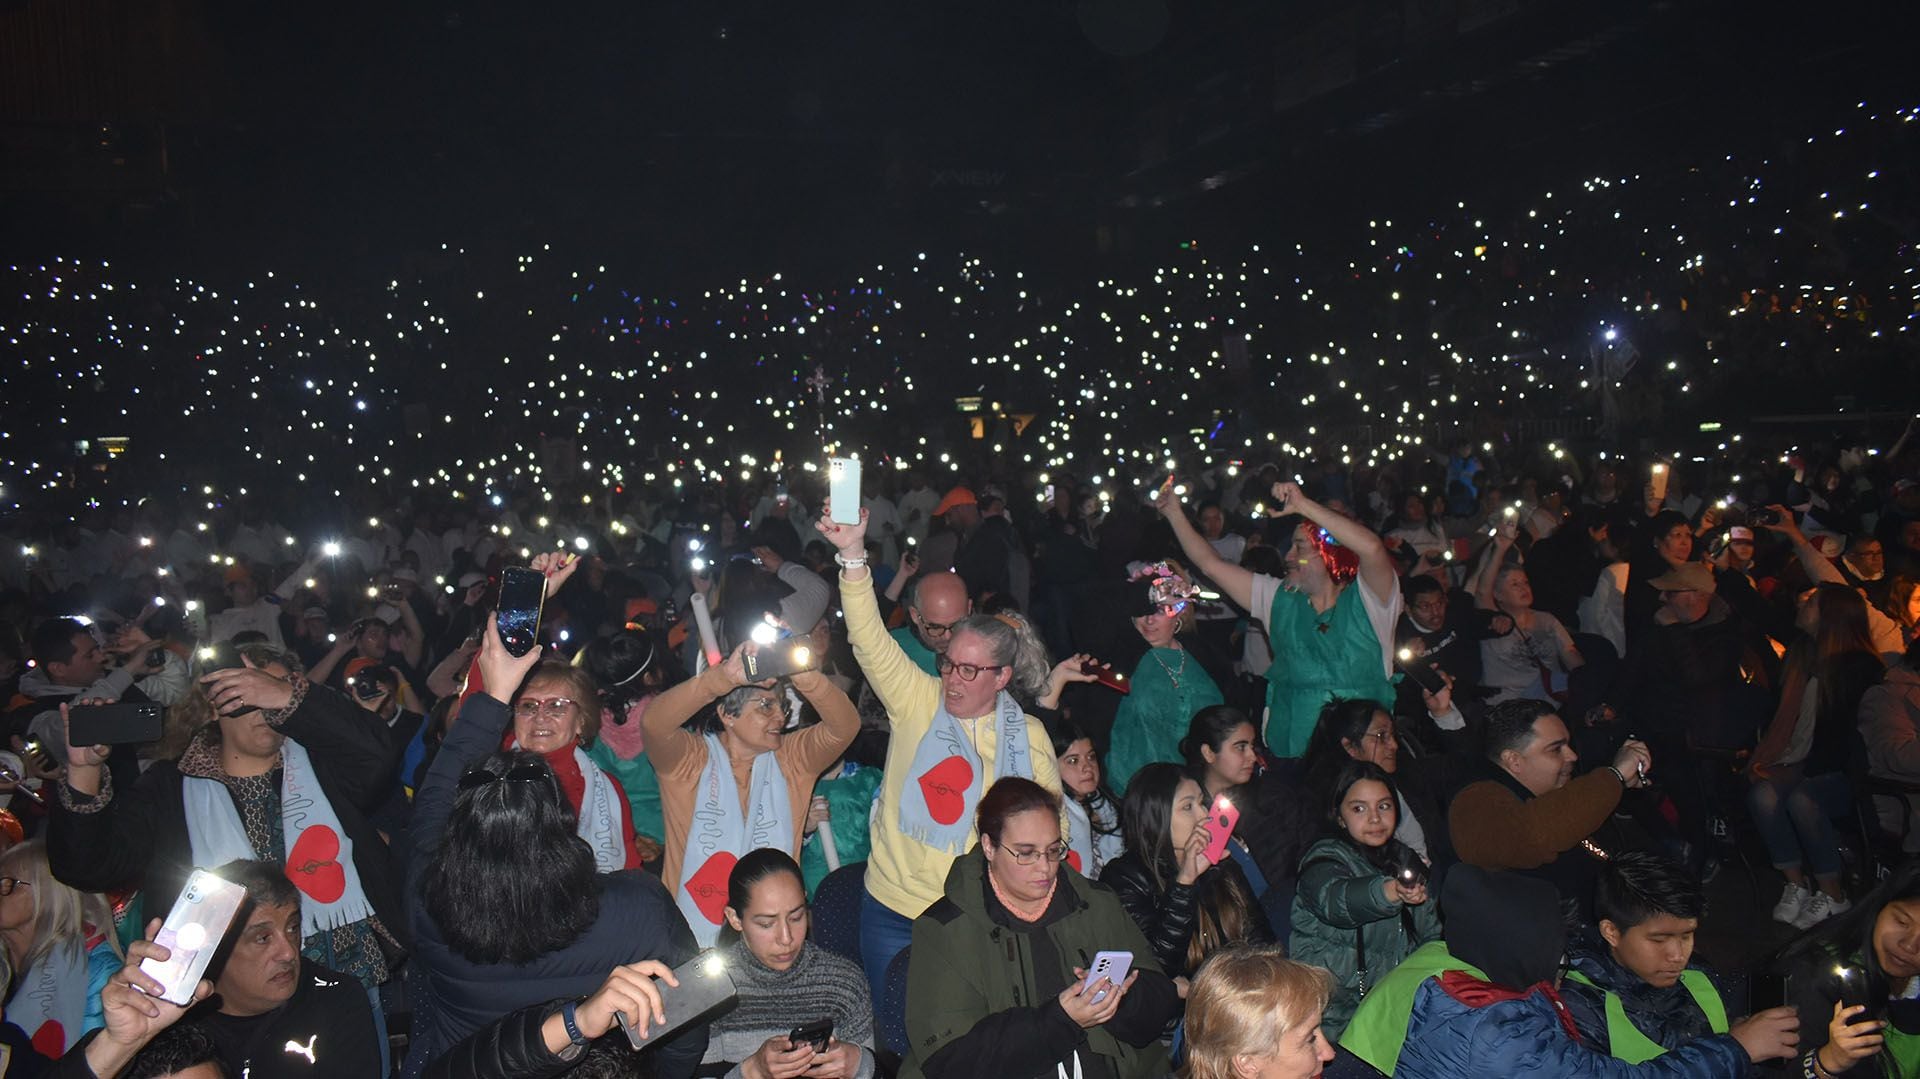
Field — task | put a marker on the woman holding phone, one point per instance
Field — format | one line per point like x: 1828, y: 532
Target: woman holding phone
x: 744, y: 782
x: 786, y: 985
x: 1187, y: 904
x: 1853, y: 979
x: 998, y: 980
x: 1362, y: 905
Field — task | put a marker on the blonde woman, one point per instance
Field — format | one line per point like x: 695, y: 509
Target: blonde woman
x: 61, y: 947
x: 1255, y: 1014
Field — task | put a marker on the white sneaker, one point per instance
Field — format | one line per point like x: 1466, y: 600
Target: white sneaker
x: 1793, y: 901
x: 1819, y: 909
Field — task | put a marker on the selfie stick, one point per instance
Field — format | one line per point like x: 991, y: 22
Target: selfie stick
x: 702, y: 618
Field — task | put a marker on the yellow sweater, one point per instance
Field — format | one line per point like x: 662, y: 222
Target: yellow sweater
x: 905, y: 875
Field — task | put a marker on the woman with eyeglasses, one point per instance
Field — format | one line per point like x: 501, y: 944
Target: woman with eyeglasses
x: 61, y: 947
x: 1329, y: 621
x: 999, y: 980
x: 743, y: 782
x: 557, y: 715
x: 1187, y: 905
x: 952, y: 735
x: 1360, y: 730
x: 1168, y: 685
x: 506, y: 899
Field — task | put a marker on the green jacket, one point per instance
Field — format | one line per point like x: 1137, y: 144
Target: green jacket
x: 982, y: 986
x: 1341, y: 897
x: 637, y: 778
x: 849, y: 794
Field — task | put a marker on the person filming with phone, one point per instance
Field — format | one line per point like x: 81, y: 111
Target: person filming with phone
x: 953, y: 734
x: 743, y: 783
x: 999, y: 981
x: 1856, y: 982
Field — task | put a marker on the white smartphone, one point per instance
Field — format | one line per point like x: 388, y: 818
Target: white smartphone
x: 192, y: 934
x: 843, y: 489
x: 1113, y: 966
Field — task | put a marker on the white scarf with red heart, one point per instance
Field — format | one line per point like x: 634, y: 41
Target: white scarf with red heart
x: 943, y: 785
x: 721, y: 831
x: 51, y: 1005
x: 319, y: 851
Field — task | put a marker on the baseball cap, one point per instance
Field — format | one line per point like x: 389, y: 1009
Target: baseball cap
x: 959, y: 496
x: 1690, y: 577
x: 1740, y: 532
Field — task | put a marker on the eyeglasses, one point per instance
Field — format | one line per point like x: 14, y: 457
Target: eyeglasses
x: 557, y: 708
x: 1383, y: 737
x: 519, y: 773
x: 934, y: 629
x: 767, y: 705
x: 8, y: 884
x: 1055, y: 853
x: 967, y: 671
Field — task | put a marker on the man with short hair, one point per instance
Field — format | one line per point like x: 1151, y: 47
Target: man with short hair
x: 1632, y: 986
x: 934, y: 603
x: 277, y: 1014
x: 959, y: 511
x: 1865, y: 567
x: 1528, y: 813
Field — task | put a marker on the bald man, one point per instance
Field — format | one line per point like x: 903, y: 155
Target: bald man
x: 934, y: 603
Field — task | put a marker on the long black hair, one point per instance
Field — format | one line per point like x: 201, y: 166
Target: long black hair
x: 1102, y: 803
x: 1210, y: 728
x: 1851, y: 934
x: 628, y: 665
x: 511, y: 880
x: 1223, y: 911
x: 1343, y: 720
x: 1386, y: 858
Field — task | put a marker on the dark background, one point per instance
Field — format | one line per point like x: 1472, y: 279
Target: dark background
x: 714, y: 139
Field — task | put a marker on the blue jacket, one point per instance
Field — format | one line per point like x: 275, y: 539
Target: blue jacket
x: 1462, y: 1026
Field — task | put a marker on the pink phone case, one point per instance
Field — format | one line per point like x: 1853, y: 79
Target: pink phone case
x: 1220, y: 828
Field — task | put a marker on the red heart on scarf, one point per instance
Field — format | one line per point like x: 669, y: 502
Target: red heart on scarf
x: 945, y: 787
x: 1073, y: 859
x: 50, y: 1040
x: 313, y: 865
x: 708, y: 887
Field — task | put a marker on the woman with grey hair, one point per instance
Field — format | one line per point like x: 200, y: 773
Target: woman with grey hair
x: 742, y: 783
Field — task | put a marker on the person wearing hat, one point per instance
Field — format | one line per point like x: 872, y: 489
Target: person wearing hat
x: 390, y: 636
x: 248, y: 610
x: 1168, y: 685
x: 959, y: 509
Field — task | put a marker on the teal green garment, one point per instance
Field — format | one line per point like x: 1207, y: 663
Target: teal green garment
x: 1154, y: 717
x: 637, y: 778
x: 1312, y: 664
x: 849, y: 794
x: 920, y: 654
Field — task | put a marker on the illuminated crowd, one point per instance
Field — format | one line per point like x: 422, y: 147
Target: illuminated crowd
x: 1267, y: 661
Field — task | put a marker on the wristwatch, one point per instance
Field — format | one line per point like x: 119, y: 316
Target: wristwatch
x: 578, y: 1042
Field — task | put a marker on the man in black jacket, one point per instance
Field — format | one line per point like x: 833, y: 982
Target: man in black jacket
x: 273, y: 1014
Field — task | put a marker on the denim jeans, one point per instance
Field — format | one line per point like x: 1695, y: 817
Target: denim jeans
x: 1795, y: 816
x: 884, y: 933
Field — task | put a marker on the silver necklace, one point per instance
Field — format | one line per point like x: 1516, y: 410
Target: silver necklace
x: 1172, y: 675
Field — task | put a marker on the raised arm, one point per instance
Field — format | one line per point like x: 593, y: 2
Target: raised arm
x: 1494, y: 830
x: 1487, y: 573
x: 1234, y: 581
x: 880, y: 656
x: 484, y: 718
x: 824, y: 742
x: 1377, y: 570
x: 670, y: 747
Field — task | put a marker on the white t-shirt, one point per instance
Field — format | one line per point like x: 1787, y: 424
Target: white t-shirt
x: 1382, y: 612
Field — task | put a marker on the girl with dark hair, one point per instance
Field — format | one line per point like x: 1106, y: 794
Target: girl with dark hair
x: 998, y: 982
x: 1362, y: 903
x: 785, y: 982
x: 1799, y: 770
x: 631, y: 671
x: 1360, y: 730
x: 744, y: 782
x: 1875, y: 948
x: 1187, y: 906
x: 506, y: 903
x: 1095, y: 836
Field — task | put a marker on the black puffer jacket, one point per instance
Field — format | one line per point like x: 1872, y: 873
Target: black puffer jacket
x: 510, y: 1047
x: 1169, y: 919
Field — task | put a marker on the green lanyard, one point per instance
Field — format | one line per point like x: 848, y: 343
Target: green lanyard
x: 1625, y: 1040
x: 1904, y: 1049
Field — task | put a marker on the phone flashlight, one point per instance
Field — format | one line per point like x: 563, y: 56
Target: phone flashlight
x: 330, y: 549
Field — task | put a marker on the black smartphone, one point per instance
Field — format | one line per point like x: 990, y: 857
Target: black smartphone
x: 1766, y: 989
x: 33, y: 748
x: 816, y: 1034
x: 123, y: 723
x: 1852, y: 984
x: 780, y: 659
x: 522, y: 593
x: 704, y: 986
x: 219, y: 656
x: 1419, y: 670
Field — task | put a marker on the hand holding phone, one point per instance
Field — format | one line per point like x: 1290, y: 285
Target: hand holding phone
x: 192, y: 933
x: 1220, y: 823
x: 696, y: 987
x: 1105, y: 675
x: 120, y: 723
x: 1110, y: 967
x: 629, y: 990
x: 843, y: 489
x: 523, y: 592
x: 816, y: 1034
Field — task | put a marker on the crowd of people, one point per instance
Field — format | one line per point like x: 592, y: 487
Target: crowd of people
x: 1421, y: 770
